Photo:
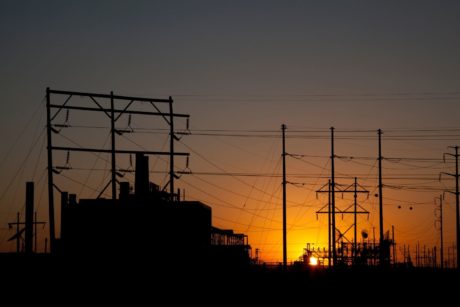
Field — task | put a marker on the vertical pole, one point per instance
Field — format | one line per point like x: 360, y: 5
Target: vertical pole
x: 394, y: 244
x: 373, y: 245
x: 283, y: 129
x: 442, y: 238
x: 50, y: 170
x: 404, y: 254
x: 329, y: 226
x: 457, y: 213
x: 18, y: 239
x: 417, y: 254
x: 29, y: 223
x: 171, y: 150
x: 112, y: 124
x: 424, y: 255
x: 408, y: 253
x: 380, y: 199
x: 355, y: 195
x: 334, y: 254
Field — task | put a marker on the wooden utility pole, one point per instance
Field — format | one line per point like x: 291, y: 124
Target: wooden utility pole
x: 334, y: 252
x: 441, y: 251
x: 28, y: 224
x: 113, y: 155
x: 171, y: 149
x: 380, y: 200
x: 394, y: 244
x: 283, y: 129
x: 329, y: 226
x: 50, y: 171
x: 442, y: 237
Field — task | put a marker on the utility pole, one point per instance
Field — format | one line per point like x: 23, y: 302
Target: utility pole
x: 441, y: 230
x: 442, y: 238
x: 28, y: 224
x: 348, y: 210
x: 373, y: 239
x: 354, y: 188
x: 283, y: 129
x: 404, y: 255
x: 355, y: 205
x: 457, y: 213
x: 332, y: 208
x: 394, y: 244
x: 113, y: 114
x: 50, y: 170
x: 329, y: 233
x: 18, y: 239
x: 334, y: 252
x: 330, y: 230
x: 171, y: 149
x: 112, y: 125
x: 380, y: 199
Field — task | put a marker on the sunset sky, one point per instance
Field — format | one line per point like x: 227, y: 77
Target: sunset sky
x: 241, y: 69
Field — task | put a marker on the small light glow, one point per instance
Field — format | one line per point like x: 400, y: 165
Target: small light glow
x: 313, y: 261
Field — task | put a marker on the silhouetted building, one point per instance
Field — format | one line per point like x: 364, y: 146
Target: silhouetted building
x: 229, y: 247
x: 146, y: 224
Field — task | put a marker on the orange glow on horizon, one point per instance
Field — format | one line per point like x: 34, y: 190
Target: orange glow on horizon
x: 313, y: 261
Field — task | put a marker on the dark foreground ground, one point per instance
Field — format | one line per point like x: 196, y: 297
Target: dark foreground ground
x: 135, y: 280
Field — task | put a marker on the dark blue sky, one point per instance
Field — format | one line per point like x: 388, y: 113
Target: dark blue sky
x: 230, y: 48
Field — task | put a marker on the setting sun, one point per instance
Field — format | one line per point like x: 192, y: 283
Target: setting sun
x: 313, y: 261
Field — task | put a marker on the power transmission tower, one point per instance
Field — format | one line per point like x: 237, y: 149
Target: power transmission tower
x: 354, y: 188
x: 113, y: 115
x: 330, y: 230
x: 457, y: 213
x: 355, y: 192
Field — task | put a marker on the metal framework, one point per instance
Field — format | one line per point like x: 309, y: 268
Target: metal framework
x: 354, y: 188
x: 113, y: 115
x: 457, y: 198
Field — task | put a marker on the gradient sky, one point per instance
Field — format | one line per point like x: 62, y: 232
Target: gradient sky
x: 249, y: 65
